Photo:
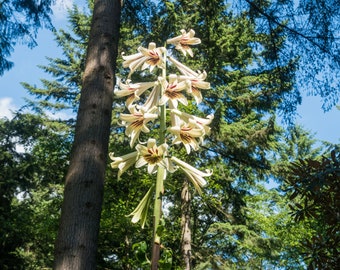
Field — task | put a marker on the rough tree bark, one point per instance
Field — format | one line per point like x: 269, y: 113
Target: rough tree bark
x: 185, y: 224
x: 76, y: 244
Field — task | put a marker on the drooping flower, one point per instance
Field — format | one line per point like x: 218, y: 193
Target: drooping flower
x: 199, y: 122
x: 140, y: 212
x: 183, y: 42
x: 154, y: 96
x: 136, y: 121
x: 152, y: 155
x: 194, y: 79
x: 195, y: 176
x: 132, y: 90
x: 187, y: 134
x: 173, y: 91
x: 150, y: 57
x: 123, y: 162
x: 197, y: 84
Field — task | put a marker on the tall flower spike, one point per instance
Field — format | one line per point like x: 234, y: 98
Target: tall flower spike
x: 194, y: 79
x: 183, y: 42
x: 167, y: 91
x: 152, y: 155
x: 136, y: 121
x: 149, y: 57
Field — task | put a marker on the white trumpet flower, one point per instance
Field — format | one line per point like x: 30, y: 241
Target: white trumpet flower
x: 183, y: 42
x: 124, y: 162
x: 152, y: 155
x: 194, y: 79
x: 140, y: 212
x: 195, y: 176
x: 173, y: 91
x: 195, y: 120
x: 150, y: 57
x: 136, y: 121
x: 132, y: 90
x: 187, y: 135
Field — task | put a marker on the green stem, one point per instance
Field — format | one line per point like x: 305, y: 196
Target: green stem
x: 157, y: 216
x: 159, y: 186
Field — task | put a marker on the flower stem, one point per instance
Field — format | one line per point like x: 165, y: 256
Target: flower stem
x: 159, y: 185
x: 157, y: 217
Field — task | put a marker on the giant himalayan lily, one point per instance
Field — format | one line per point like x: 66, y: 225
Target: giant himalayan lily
x: 199, y: 122
x: 183, y: 42
x: 187, y: 134
x: 124, y: 162
x: 140, y: 212
x: 195, y: 176
x: 173, y: 91
x: 152, y: 155
x: 194, y: 79
x: 132, y: 90
x: 136, y: 121
x: 154, y: 96
x: 149, y: 57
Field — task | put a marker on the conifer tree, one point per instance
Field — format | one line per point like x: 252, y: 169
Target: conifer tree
x: 77, y: 240
x: 34, y: 155
x: 248, y: 89
x: 20, y: 21
x: 310, y: 28
x: 238, y: 112
x: 62, y: 95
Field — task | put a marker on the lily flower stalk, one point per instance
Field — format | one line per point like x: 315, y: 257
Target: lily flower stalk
x: 167, y: 94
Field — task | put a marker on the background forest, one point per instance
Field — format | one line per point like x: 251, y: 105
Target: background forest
x: 273, y: 200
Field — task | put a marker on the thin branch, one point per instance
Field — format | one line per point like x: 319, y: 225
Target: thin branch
x: 293, y: 31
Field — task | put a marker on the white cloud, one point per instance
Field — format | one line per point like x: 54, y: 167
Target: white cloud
x: 6, y: 107
x: 59, y: 115
x: 60, y: 8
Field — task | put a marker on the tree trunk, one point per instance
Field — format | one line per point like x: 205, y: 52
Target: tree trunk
x: 76, y: 244
x: 185, y: 224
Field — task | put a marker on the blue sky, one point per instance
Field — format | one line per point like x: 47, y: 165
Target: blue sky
x: 325, y: 125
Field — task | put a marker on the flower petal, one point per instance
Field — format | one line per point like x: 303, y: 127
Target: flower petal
x: 124, y: 162
x: 151, y: 155
x: 183, y: 41
x: 195, y: 176
x: 140, y: 212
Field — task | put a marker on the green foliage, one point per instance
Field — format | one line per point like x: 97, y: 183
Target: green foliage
x: 30, y: 189
x: 268, y: 213
x: 20, y: 21
x: 140, y: 251
x: 313, y: 188
x: 249, y: 87
x: 313, y: 38
x: 119, y: 238
x: 63, y: 92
